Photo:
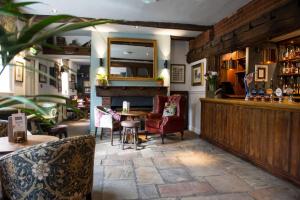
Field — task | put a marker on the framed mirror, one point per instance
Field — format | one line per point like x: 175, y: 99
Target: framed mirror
x: 131, y: 59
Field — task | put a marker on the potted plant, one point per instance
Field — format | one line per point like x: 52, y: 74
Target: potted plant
x: 211, y: 77
x: 33, y: 34
x: 160, y: 80
x: 102, y: 79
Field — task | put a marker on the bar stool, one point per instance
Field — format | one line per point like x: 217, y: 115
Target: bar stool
x: 59, y: 130
x: 130, y: 128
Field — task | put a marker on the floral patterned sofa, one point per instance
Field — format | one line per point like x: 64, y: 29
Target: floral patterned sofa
x: 58, y: 170
x: 3, y: 128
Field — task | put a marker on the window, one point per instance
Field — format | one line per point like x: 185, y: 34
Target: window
x: 5, y: 80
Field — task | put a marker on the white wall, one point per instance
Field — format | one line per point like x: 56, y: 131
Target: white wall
x: 179, y: 51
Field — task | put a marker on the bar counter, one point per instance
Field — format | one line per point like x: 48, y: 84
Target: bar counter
x: 264, y: 133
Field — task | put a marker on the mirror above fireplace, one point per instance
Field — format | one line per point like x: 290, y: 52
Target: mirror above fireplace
x: 131, y: 59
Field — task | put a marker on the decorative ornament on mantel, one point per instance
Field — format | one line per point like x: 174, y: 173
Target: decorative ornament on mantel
x: 101, y: 76
x: 160, y: 81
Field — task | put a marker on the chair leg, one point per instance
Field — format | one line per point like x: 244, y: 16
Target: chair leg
x: 162, y: 138
x: 146, y: 134
x: 89, y: 196
x: 136, y: 138
x: 123, y: 138
x: 111, y: 137
x: 96, y: 128
x: 182, y: 132
x: 101, y: 133
x: 120, y: 133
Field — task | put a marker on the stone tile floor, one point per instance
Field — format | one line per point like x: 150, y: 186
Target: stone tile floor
x: 191, y: 169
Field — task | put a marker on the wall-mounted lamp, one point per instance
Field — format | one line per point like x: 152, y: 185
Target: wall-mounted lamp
x: 166, y: 64
x: 101, y: 62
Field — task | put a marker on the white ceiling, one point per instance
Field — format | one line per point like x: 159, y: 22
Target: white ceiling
x: 201, y: 12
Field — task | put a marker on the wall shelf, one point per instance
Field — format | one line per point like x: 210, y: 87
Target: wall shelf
x: 114, y: 91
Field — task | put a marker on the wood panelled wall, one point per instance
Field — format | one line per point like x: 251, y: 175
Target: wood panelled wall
x: 278, y: 17
x: 270, y: 138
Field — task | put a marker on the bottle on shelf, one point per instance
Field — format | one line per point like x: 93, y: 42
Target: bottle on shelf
x: 283, y: 68
x: 293, y: 68
x: 286, y: 54
x: 291, y: 53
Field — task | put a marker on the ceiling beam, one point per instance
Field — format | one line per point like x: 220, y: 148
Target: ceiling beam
x: 182, y: 38
x: 164, y: 25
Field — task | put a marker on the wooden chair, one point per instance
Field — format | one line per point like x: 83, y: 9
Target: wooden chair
x: 103, y: 119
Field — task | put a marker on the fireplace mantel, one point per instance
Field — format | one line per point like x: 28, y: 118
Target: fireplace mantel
x: 117, y: 91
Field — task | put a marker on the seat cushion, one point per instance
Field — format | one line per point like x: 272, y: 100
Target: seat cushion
x: 170, y: 110
x: 130, y: 123
x: 154, y: 123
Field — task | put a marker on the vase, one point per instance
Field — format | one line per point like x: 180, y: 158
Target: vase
x: 160, y: 82
x: 212, y: 87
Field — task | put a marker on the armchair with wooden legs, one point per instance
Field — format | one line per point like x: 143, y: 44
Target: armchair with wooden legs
x: 158, y: 124
x: 104, y: 119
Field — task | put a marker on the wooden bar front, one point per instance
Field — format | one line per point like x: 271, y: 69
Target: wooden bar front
x: 266, y: 134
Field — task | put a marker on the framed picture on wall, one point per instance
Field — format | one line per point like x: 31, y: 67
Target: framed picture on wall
x: 42, y: 75
x: 19, y: 71
x: 261, y: 73
x: 197, y: 74
x: 177, y: 73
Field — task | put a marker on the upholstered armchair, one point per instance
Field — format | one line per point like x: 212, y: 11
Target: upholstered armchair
x: 3, y: 128
x: 104, y: 119
x: 59, y: 170
x: 159, y: 124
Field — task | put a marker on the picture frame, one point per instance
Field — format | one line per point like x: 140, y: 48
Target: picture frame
x: 42, y: 77
x: 177, y: 73
x: 87, y: 90
x: 19, y: 71
x: 261, y: 73
x: 197, y: 74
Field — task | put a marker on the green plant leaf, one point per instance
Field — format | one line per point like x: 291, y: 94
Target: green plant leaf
x: 10, y: 101
x: 10, y: 8
x: 28, y: 33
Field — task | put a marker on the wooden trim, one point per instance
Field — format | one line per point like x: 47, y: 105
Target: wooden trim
x: 295, y: 107
x: 181, y: 38
x: 165, y: 25
x: 110, y: 91
x: 132, y: 40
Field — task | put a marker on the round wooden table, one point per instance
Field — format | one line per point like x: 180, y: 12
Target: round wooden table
x: 7, y: 147
x: 133, y: 114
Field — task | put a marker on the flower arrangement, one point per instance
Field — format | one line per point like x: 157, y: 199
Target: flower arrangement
x: 160, y: 80
x: 211, y: 77
x: 102, y: 79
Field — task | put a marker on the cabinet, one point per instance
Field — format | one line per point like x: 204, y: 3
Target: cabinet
x: 233, y: 68
x: 266, y: 134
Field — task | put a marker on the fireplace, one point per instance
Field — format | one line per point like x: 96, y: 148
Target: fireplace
x: 140, y: 97
x: 136, y: 103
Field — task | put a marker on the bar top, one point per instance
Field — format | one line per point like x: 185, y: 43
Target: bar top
x: 256, y: 104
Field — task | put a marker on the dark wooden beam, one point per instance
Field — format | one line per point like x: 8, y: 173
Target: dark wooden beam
x: 278, y: 22
x: 182, y: 38
x: 164, y: 25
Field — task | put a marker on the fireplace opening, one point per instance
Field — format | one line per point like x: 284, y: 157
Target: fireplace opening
x: 142, y: 103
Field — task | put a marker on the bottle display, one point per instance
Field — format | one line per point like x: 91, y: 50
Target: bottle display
x: 289, y: 69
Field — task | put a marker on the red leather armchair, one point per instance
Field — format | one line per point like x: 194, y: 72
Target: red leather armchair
x: 159, y: 124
